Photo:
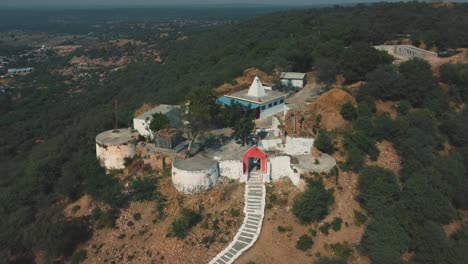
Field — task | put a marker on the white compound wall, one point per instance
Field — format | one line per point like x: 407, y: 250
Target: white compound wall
x: 112, y: 157
x: 187, y: 181
x: 232, y: 169
x: 280, y: 167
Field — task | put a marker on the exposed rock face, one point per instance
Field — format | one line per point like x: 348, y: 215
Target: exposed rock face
x: 327, y: 106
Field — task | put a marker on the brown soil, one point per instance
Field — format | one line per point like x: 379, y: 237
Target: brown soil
x: 144, y: 108
x: 146, y: 240
x: 244, y: 81
x: 387, y: 107
x: 388, y: 157
x: 456, y: 225
x: 461, y: 57
x: 64, y: 50
x: 85, y: 63
x: 328, y: 106
x: 123, y: 42
x: 82, y: 207
x: 277, y: 247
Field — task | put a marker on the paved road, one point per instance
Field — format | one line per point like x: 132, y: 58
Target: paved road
x: 254, y: 211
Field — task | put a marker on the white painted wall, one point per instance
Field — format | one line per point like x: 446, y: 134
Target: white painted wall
x: 281, y: 167
x: 231, y: 169
x: 298, y: 146
x: 195, y: 181
x: 112, y: 157
x: 142, y: 126
x: 293, y: 83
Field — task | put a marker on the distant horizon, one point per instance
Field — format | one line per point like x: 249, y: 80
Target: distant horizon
x: 85, y: 4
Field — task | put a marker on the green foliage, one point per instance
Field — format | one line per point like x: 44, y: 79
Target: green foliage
x: 348, y: 111
x: 284, y: 229
x: 342, y: 250
x: 326, y: 70
x: 159, y: 121
x: 137, y: 217
x: 104, y: 219
x: 100, y: 186
x: 456, y: 75
x: 187, y: 219
x: 304, y: 243
x: 78, y: 256
x: 384, y: 240
x: 143, y: 189
x: 312, y: 205
x: 359, y: 218
x: 378, y: 188
x: 324, y: 142
x: 325, y: 228
x: 336, y: 224
x: 56, y: 235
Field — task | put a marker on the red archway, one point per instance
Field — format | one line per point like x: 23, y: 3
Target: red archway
x: 254, y: 152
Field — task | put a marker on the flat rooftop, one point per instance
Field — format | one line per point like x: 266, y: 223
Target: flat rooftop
x: 116, y: 137
x: 196, y: 163
x: 269, y: 96
x: 293, y: 75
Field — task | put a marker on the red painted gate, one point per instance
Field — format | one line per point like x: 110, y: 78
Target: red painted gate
x: 254, y: 152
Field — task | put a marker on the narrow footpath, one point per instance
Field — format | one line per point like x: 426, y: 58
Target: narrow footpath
x: 254, y: 211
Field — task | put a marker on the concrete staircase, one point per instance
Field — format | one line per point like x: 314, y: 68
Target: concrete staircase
x: 254, y: 211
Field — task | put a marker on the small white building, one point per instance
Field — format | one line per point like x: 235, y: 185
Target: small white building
x: 262, y: 98
x: 142, y: 122
x: 293, y: 79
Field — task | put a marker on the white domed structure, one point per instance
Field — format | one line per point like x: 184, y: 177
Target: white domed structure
x: 194, y: 175
x: 114, y: 146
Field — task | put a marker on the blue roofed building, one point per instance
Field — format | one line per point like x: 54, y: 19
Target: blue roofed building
x: 262, y: 98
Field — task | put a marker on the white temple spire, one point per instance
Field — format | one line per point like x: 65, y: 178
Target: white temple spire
x: 256, y: 88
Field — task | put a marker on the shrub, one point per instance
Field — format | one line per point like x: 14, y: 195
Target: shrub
x: 304, y: 243
x: 359, y: 218
x: 104, y: 219
x: 187, y: 220
x: 79, y: 256
x: 348, y: 111
x: 283, y: 229
x: 160, y: 121
x: 324, y: 228
x: 143, y: 189
x: 137, y: 216
x: 342, y: 250
x: 336, y: 224
x: 324, y: 142
x: 331, y: 261
x: 312, y: 205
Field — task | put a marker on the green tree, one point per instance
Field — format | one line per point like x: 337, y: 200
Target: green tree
x: 304, y: 243
x: 159, y: 121
x: 348, y: 111
x: 199, y: 113
x: 312, y: 205
x: 324, y: 142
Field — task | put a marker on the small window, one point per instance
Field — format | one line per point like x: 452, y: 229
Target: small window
x: 281, y: 101
x: 270, y: 105
x: 275, y: 103
x: 263, y: 107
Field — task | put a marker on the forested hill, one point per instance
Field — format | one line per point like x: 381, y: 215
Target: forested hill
x: 47, y: 137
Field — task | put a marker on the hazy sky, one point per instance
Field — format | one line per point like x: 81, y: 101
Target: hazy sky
x: 166, y: 2
x: 84, y: 3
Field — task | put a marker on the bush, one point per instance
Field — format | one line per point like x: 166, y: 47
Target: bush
x: 342, y: 250
x: 359, y: 218
x: 143, y: 189
x: 79, y: 256
x: 324, y: 142
x: 348, y: 112
x: 284, y: 229
x: 378, y: 189
x: 159, y: 121
x: 137, y: 216
x: 336, y: 224
x: 104, y: 219
x: 185, y: 222
x: 312, y: 205
x: 304, y: 243
x: 325, y: 228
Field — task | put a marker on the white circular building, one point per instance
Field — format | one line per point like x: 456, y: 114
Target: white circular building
x: 194, y: 175
x: 114, y: 146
